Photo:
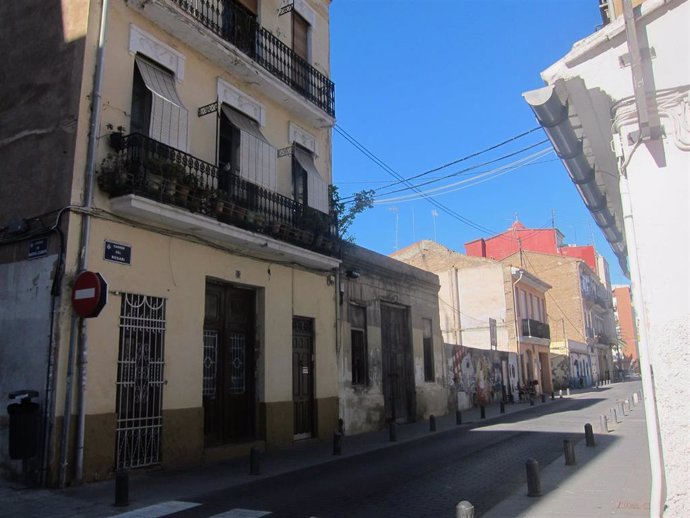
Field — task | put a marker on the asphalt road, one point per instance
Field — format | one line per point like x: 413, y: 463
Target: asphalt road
x: 423, y: 478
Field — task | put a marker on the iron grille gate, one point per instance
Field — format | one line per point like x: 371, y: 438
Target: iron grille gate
x: 140, y: 380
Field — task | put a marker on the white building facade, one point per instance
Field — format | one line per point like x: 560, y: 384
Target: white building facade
x: 617, y: 110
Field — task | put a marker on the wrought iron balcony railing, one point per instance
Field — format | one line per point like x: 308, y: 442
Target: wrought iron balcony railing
x: 535, y: 328
x: 147, y: 168
x: 604, y: 338
x: 236, y: 24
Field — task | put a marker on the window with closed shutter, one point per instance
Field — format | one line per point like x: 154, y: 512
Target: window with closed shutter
x: 300, y: 29
x: 158, y: 113
x: 251, y: 5
x: 245, y: 151
x: 305, y: 173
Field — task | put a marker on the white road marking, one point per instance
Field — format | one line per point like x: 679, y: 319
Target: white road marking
x: 241, y: 513
x: 157, y: 510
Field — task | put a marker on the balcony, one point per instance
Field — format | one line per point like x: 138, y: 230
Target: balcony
x: 604, y: 300
x: 535, y: 329
x: 148, y: 169
x: 234, y: 40
x: 605, y: 338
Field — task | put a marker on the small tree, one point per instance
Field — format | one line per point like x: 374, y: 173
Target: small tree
x: 345, y: 213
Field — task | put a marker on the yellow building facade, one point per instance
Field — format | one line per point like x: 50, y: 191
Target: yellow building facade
x: 195, y: 181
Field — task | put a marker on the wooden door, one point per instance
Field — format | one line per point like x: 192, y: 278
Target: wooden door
x: 229, y: 372
x: 398, y: 378
x: 303, y: 376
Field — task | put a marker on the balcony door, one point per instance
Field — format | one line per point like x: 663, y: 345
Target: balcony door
x: 228, y: 364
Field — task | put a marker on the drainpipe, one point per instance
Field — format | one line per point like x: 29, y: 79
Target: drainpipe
x: 456, y: 307
x: 78, y: 329
x: 657, y: 496
x: 517, y: 329
x: 338, y: 342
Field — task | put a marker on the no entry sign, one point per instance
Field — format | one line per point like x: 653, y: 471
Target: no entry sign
x: 89, y: 295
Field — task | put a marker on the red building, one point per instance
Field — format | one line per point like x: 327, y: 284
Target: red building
x: 518, y: 237
x: 627, y: 329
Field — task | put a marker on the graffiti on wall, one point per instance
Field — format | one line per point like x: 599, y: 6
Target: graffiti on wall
x: 475, y: 373
x: 560, y: 371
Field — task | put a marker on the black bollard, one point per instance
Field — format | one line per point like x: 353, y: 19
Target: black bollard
x: 392, y: 432
x: 569, y: 452
x: 503, y: 407
x: 543, y: 398
x: 589, y: 436
x: 432, y: 423
x: 458, y: 417
x: 482, y: 412
x: 531, y: 401
x: 122, y: 489
x: 553, y: 396
x: 533, y: 478
x: 337, y: 443
x: 254, y: 461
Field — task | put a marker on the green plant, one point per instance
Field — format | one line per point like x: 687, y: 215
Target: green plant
x: 112, y: 174
x: 173, y: 171
x: 346, y: 212
x: 154, y: 166
x: 190, y: 180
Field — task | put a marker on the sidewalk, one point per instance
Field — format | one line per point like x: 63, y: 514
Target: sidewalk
x: 611, y: 479
x: 152, y: 487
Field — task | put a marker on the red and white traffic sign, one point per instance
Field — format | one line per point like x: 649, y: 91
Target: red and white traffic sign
x: 89, y: 295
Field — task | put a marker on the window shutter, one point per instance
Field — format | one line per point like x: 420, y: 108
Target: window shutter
x: 300, y: 28
x: 257, y: 156
x: 317, y: 187
x: 252, y: 5
x: 168, y: 122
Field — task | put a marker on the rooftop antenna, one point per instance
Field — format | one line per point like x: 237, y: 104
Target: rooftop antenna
x: 397, y: 221
x: 553, y: 218
x: 434, y: 215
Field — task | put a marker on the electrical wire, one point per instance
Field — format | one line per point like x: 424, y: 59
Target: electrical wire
x: 474, y: 180
x: 340, y: 130
x: 466, y: 170
x: 443, y: 208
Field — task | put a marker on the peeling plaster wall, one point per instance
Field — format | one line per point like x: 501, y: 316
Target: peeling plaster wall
x: 382, y: 279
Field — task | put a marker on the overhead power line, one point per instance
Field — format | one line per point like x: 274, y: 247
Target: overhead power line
x: 375, y: 159
x: 397, y: 176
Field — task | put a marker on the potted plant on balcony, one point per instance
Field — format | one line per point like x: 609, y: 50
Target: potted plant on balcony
x: 153, y: 175
x: 112, y: 175
x: 184, y: 189
x: 172, y: 173
x: 116, y: 137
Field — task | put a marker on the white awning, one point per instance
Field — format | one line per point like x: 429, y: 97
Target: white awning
x: 243, y: 122
x: 317, y: 187
x: 168, y: 122
x: 257, y: 157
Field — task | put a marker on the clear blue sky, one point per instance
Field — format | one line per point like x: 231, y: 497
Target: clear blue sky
x: 421, y: 83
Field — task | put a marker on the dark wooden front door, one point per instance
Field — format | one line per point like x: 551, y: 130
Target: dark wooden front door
x: 303, y: 376
x: 229, y: 374
x: 398, y: 377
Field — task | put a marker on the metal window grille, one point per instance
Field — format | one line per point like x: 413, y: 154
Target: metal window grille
x: 140, y: 380
x: 210, y: 363
x: 237, y: 367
